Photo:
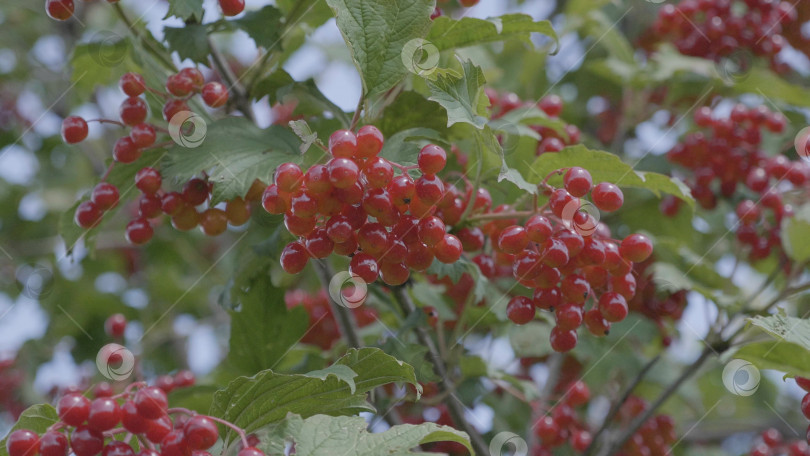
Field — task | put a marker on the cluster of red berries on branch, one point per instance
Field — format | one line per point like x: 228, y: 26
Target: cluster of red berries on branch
x: 182, y: 206
x: 62, y: 10
x: 552, y: 105
x: 90, y: 427
x: 725, y: 160
x: 771, y: 443
x: 323, y: 329
x: 389, y: 225
x: 715, y: 29
x: 652, y: 302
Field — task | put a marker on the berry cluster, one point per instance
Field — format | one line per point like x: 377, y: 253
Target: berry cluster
x: 771, y: 443
x: 654, y: 304
x: 354, y: 205
x: 714, y: 29
x: 725, y: 156
x: 181, y: 206
x: 62, y: 10
x: 89, y: 427
x: 323, y: 330
x: 552, y: 105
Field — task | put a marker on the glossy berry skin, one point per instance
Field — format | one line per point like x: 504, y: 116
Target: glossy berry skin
x: 607, y: 197
x: 364, y: 266
x: 87, y: 215
x: 22, y: 442
x: 596, y: 323
x: 148, y: 180
x: 195, y: 192
x: 131, y: 420
x: 578, y: 181
x: 636, y: 248
x: 806, y: 405
x: 538, y: 229
x: 115, y: 325
x: 288, y: 177
x: 73, y: 409
x: 172, y: 107
x: 343, y: 144
x: 563, y: 340
x: 213, y: 221
x: 613, y: 306
x: 85, y: 441
x: 294, y: 258
x: 520, y: 310
x: 200, y: 432
x: 151, y: 402
x: 551, y: 105
x: 401, y: 189
x: 378, y: 172
x: 215, y: 94
x: 104, y: 415
x: 125, y: 150
x: 139, y: 231
x: 60, y: 10
x: 143, y: 135
x: 373, y: 238
x: 448, y: 250
x: 132, y: 84
x: 578, y: 394
x: 429, y: 189
x: 74, y: 129
x: 369, y: 141
x: 105, y: 196
x: 431, y: 230
x: 174, y: 444
x: 117, y: 448
x: 343, y: 172
x: 158, y: 429
x: 546, y: 298
x: 232, y: 7
x: 250, y: 451
x: 431, y: 159
x: 513, y: 239
x: 133, y: 111
x: 53, y: 443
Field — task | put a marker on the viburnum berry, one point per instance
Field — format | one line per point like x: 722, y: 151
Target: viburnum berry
x: 213, y: 221
x: 607, y: 197
x: 195, y: 191
x: 636, y: 248
x: 173, y: 107
x: 232, y: 7
x: 133, y: 111
x: 105, y: 196
x: 174, y: 444
x: 369, y: 141
x: 200, y: 432
x: 520, y: 310
x: 132, y: 84
x: 394, y: 273
x: 343, y: 144
x: 513, y: 239
x: 61, y: 10
x: 151, y: 402
x: 117, y: 448
x: 158, y: 429
x: 148, y: 180
x: 22, y: 442
x: 53, y: 443
x: 237, y: 211
x: 215, y: 94
x: 343, y: 172
x: 179, y: 85
x: 131, y: 420
x: 596, y: 323
x: 139, y: 231
x: 125, y: 150
x: 73, y: 409
x: 613, y: 306
x: 85, y: 441
x: 74, y: 128
x: 104, y: 415
x: 378, y: 172
x: 431, y: 159
x: 364, y: 266
x: 115, y: 325
x: 448, y: 250
x: 552, y: 105
x: 250, y: 451
x: 578, y: 181
x: 87, y: 215
x: 563, y: 340
x: 142, y: 135
x: 294, y: 257
x: 431, y: 230
x: 184, y: 378
x: 429, y: 189
x: 401, y: 189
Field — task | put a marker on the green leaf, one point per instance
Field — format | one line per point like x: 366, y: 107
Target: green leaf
x: 99, y: 63
x: 404, y: 147
x: 447, y: 33
x: 323, y: 435
x: 790, y: 329
x: 531, y: 339
x: 262, y: 25
x: 794, y: 234
x: 340, y: 372
x: 486, y: 140
x: 37, y: 418
x: 782, y: 356
x: 254, y: 402
x: 280, y: 87
x: 189, y: 41
x: 517, y: 120
x: 185, y: 9
x: 765, y: 83
x: 376, y: 32
x: 606, y: 167
x: 234, y: 153
x: 462, y: 96
x: 263, y: 330
x: 412, y: 110
x: 302, y: 129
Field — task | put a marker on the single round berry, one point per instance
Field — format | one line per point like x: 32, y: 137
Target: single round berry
x: 117, y: 448
x: 520, y: 310
x: 563, y: 340
x: 148, y: 180
x: 401, y: 189
x: 74, y: 129
x: 133, y: 111
x: 805, y: 406
x: 125, y: 150
x: 53, y: 443
x: 158, y: 429
x: 184, y: 378
x: 132, y: 420
x: 73, y: 409
x: 431, y: 159
x: 343, y: 144
x: 448, y: 250
x: 232, y: 7
x: 213, y: 221
x: 132, y: 84
x: 364, y: 266
x: 607, y: 197
x: 173, y: 107
x: 139, y: 231
x: 578, y: 181
x: 513, y: 239
x: 200, y: 432
x: 613, y: 306
x: 104, y: 415
x: 238, y: 211
x: 429, y: 189
x: 636, y: 248
x: 85, y: 441
x: 552, y: 105
x: 115, y: 325
x: 215, y: 94
x: 196, y: 76
x: 195, y: 191
x: 105, y: 196
x: 87, y: 215
x: 104, y: 389
x: 596, y: 323
x: 143, y: 135
x: 538, y: 228
x: 369, y: 141
x: 61, y: 10
x: 431, y: 230
x: 343, y: 172
x: 174, y: 444
x: 294, y: 257
x: 22, y: 442
x: 151, y: 402
x: 179, y: 85
x: 378, y: 172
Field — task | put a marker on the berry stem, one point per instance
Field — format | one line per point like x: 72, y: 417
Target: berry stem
x: 241, y: 432
x: 108, y: 121
x: 240, y: 96
x: 107, y: 173
x: 356, y: 117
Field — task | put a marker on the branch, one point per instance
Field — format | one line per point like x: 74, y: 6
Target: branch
x: 345, y: 318
x: 454, y: 405
x: 240, y: 95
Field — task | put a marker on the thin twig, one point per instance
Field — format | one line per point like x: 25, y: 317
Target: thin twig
x: 240, y: 95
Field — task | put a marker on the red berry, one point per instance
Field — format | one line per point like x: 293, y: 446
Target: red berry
x: 53, y: 443
x: 158, y: 429
x: 369, y: 142
x: 607, y: 197
x: 596, y: 323
x: 139, y: 231
x: 195, y: 75
x: 373, y: 238
x: 520, y: 310
x: 105, y: 196
x: 85, y: 441
x: 448, y: 250
x: 148, y: 180
x: 151, y: 402
x: 215, y: 94
x: 299, y: 226
x: 195, y: 191
x: 364, y: 266
x: 232, y: 7
x: 538, y: 228
x: 87, y: 215
x: 578, y: 394
x: 513, y: 239
x: 115, y: 325
x: 806, y: 405
x: 125, y: 150
x: 378, y: 172
x: 117, y: 448
x: 569, y: 316
x: 104, y: 415
x: 551, y: 105
x: 22, y: 442
x: 288, y: 177
x: 179, y: 85
x: 472, y: 238
x: 431, y: 159
x: 343, y: 172
x: 250, y: 451
x: 174, y: 444
x: 61, y: 10
x: 74, y: 128
x: 200, y: 432
x: 132, y: 84
x: 132, y: 420
x: 431, y: 230
x: 213, y: 221
x: 636, y: 248
x: 184, y: 378
x: 343, y: 144
x: 429, y: 189
x: 563, y: 340
x: 143, y: 135
x: 804, y: 383
x: 294, y: 257
x: 394, y: 273
x: 172, y: 203
x: 546, y: 298
x: 73, y: 409
x: 133, y: 111
x: 578, y: 181
x: 401, y: 189
x: 173, y: 107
